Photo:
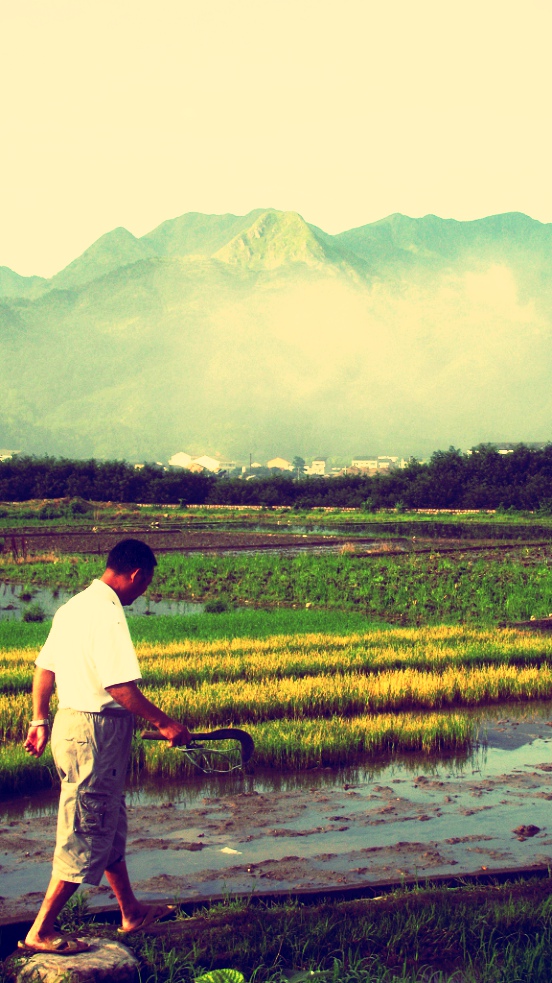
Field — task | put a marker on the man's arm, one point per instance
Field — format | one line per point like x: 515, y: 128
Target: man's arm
x: 131, y: 698
x: 37, y: 736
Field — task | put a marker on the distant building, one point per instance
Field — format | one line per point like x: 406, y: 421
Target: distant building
x: 509, y: 448
x: 365, y: 463
x: 209, y: 463
x: 180, y: 460
x: 385, y: 463
x: 280, y: 463
x: 317, y: 467
x: 197, y: 464
x: 381, y: 462
x: 6, y: 455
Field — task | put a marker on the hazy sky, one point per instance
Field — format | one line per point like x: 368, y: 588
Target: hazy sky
x: 130, y: 112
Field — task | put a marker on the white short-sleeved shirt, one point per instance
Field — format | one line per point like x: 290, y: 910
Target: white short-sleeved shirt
x: 89, y: 647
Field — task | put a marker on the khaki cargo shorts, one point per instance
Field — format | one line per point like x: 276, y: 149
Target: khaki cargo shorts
x: 91, y: 753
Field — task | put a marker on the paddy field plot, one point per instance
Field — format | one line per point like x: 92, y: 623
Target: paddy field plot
x: 311, y: 699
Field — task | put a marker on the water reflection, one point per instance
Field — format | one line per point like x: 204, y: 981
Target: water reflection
x: 508, y: 736
x: 15, y: 599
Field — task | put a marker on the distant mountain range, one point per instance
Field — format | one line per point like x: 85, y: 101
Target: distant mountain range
x: 262, y: 334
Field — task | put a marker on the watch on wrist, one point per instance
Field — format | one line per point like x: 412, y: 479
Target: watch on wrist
x: 39, y: 723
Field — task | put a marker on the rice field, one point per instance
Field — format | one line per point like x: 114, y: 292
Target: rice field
x: 411, y: 589
x: 308, y: 700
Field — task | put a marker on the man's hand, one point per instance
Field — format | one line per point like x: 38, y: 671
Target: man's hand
x: 37, y: 736
x: 175, y: 733
x: 37, y: 739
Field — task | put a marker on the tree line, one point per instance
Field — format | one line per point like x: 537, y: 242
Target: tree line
x: 483, y: 479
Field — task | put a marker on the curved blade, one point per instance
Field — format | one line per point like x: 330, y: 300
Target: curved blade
x: 223, y: 734
x: 230, y: 734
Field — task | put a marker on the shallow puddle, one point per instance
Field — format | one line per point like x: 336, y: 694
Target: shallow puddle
x: 15, y: 599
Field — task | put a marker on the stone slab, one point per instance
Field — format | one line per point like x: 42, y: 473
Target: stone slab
x: 105, y: 962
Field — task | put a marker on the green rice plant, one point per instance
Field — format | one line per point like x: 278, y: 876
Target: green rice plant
x: 348, y: 694
x: 282, y: 744
x: 318, y: 675
x: 297, y: 744
x: 306, y: 743
x: 188, y: 663
x: 314, y: 698
x: 241, y: 623
x: 20, y: 634
x: 21, y: 773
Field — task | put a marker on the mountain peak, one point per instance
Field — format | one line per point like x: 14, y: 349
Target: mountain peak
x: 389, y: 336
x: 112, y: 250
x: 14, y: 285
x: 274, y: 238
x: 196, y: 234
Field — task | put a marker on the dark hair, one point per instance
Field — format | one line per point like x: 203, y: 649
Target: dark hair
x: 129, y: 555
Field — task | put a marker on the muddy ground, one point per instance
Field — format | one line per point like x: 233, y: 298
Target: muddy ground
x: 493, y: 814
x: 160, y: 540
x: 33, y: 542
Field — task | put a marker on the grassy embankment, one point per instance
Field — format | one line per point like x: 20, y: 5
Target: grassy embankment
x: 45, y: 513
x: 471, y: 934
x: 502, y: 935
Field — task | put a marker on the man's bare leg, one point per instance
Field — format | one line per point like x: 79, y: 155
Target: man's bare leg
x: 132, y: 910
x: 43, y: 930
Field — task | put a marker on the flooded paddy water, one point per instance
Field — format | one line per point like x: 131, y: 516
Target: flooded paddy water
x: 389, y: 820
x: 15, y: 599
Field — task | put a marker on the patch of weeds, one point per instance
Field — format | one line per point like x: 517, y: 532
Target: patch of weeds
x: 72, y: 917
x: 216, y: 607
x: 49, y: 511
x: 34, y: 613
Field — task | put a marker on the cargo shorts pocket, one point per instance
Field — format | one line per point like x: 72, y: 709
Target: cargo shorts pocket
x: 91, y: 814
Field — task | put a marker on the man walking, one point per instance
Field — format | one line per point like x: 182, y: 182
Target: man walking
x: 90, y: 658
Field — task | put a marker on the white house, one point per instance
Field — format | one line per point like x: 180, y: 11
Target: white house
x: 180, y: 460
x: 317, y: 467
x: 385, y: 462
x: 197, y: 464
x: 365, y: 463
x: 209, y: 463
